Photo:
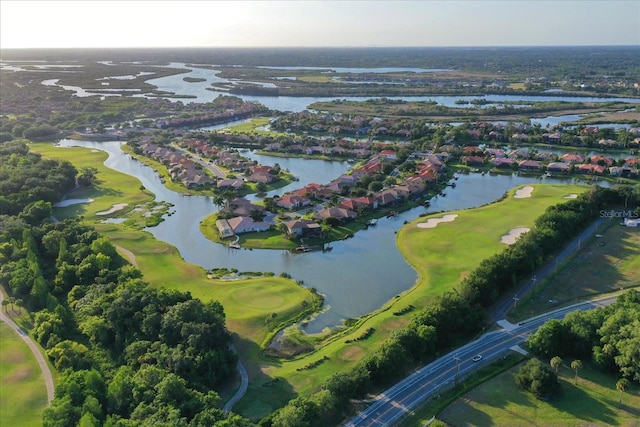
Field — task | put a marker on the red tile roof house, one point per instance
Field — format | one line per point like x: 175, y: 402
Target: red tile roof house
x: 503, y: 163
x: 389, y: 154
x: 598, y: 159
x: 292, y: 201
x: 367, y: 202
x: 472, y: 160
x: 591, y: 169
x: 240, y: 225
x: 572, y: 158
x: 303, y: 228
x: 558, y: 167
x: 529, y: 165
x: 344, y: 215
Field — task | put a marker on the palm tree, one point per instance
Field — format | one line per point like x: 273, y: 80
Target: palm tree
x: 622, y: 384
x: 576, y: 365
x: 555, y: 363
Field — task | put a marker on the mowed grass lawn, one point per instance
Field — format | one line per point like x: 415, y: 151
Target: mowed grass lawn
x: 594, y: 401
x: 249, y: 304
x: 112, y: 187
x: 23, y: 395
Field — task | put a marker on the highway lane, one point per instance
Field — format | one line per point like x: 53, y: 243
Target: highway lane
x: 403, y: 397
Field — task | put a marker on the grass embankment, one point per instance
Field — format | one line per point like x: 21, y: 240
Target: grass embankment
x: 23, y: 395
x: 594, y: 400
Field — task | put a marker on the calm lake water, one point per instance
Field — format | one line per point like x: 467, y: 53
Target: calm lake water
x: 358, y: 276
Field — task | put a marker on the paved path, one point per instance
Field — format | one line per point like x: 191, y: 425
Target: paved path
x: 244, y: 384
x: 46, y: 372
x: 128, y: 254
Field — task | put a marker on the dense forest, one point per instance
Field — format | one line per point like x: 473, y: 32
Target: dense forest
x: 128, y: 354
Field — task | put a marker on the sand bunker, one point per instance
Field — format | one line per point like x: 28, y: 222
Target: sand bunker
x: 524, y: 192
x: 432, y: 222
x: 115, y: 208
x: 571, y: 196
x: 69, y: 202
x: 514, y: 234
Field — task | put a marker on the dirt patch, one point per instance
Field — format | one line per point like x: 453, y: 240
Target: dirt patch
x: 18, y: 375
x: 571, y: 196
x: 433, y: 222
x: 352, y: 353
x: 524, y: 192
x: 513, y: 235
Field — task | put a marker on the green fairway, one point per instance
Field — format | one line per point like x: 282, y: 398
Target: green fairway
x: 112, y: 188
x: 593, y: 401
x: 23, y: 395
x: 446, y: 253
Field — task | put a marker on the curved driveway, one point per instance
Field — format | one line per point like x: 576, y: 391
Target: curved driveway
x: 46, y: 372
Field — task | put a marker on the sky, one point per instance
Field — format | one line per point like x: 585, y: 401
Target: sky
x: 319, y: 23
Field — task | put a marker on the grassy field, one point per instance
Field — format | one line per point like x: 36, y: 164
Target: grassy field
x: 22, y: 392
x: 594, y: 401
x: 603, y: 265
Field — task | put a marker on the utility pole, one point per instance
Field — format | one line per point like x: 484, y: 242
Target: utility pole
x: 515, y: 302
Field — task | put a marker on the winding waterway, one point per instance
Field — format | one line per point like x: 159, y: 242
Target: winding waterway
x: 356, y: 277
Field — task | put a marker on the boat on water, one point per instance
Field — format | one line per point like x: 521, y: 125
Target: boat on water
x: 392, y: 214
x: 372, y: 222
x: 234, y: 245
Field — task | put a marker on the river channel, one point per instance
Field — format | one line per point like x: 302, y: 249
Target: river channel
x: 356, y: 277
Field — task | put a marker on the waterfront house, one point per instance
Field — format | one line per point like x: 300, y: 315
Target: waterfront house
x: 343, y: 215
x: 529, y: 165
x: 558, y: 167
x: 303, y: 228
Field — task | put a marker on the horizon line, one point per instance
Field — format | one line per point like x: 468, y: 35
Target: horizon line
x: 322, y: 47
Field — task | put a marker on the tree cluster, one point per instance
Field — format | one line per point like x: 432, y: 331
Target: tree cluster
x: 26, y: 178
x: 609, y: 337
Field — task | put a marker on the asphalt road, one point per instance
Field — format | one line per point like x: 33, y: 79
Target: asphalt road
x: 403, y: 397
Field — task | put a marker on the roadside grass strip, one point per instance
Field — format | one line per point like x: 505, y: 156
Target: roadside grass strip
x: 593, y: 401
